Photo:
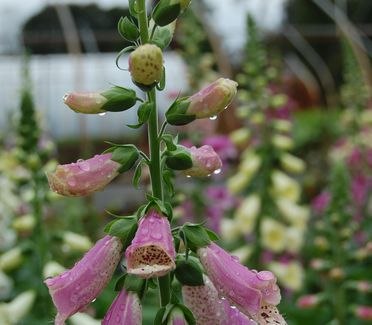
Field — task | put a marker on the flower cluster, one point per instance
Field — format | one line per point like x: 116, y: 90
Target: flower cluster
x: 145, y: 242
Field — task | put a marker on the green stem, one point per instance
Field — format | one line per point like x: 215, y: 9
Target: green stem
x: 154, y: 143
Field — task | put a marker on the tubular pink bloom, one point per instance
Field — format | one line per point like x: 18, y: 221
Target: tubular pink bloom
x: 308, y: 301
x: 125, y: 310
x: 235, y: 317
x: 204, y: 303
x: 87, y: 103
x: 76, y: 288
x: 152, y: 252
x: 83, y: 177
x: 364, y: 312
x: 205, y: 161
x: 212, y: 99
x: 248, y: 290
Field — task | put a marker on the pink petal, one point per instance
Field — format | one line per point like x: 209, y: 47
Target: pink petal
x: 205, y: 162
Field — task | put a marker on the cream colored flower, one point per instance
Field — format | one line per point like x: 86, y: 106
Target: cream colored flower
x: 24, y: 223
x: 290, y: 275
x: 6, y: 286
x: 295, y: 214
x: 52, y: 269
x: 250, y: 163
x: 76, y: 243
x: 295, y: 239
x: 284, y: 186
x: 283, y: 142
x: 240, y: 137
x: 11, y: 313
x: 273, y: 235
x: 243, y: 253
x: 83, y: 319
x: 283, y: 125
x: 238, y: 182
x: 11, y: 259
x: 246, y: 214
x: 292, y: 164
x: 229, y: 230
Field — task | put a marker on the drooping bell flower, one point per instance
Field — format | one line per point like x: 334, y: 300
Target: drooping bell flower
x: 84, y: 177
x: 151, y: 253
x: 205, y: 161
x: 76, y: 288
x: 223, y: 147
x: 125, y: 310
x: 146, y: 64
x: 248, y: 290
x: 235, y: 317
x: 208, y: 102
x: 85, y: 102
x: 204, y: 303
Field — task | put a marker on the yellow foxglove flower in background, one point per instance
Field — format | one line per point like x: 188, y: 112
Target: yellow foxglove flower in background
x: 273, y: 235
x: 83, y: 319
x: 243, y: 253
x: 11, y: 259
x: 283, y: 125
x: 290, y: 275
x: 283, y: 142
x: 76, y: 243
x: 24, y: 223
x: 285, y: 186
x: 238, y: 182
x: 247, y: 213
x: 295, y: 239
x: 52, y: 269
x: 229, y: 230
x: 11, y: 313
x: 295, y: 214
x: 292, y: 164
x: 240, y: 137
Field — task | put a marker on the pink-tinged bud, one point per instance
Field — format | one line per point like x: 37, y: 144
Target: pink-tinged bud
x: 308, y: 301
x: 151, y: 253
x: 86, y: 103
x: 125, y: 310
x: 212, y: 99
x: 363, y: 312
x: 205, y: 161
x: 247, y: 290
x: 83, y: 177
x: 146, y: 64
x: 205, y: 304
x: 76, y: 288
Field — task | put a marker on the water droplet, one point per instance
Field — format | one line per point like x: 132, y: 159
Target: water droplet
x: 217, y: 171
x: 235, y: 258
x: 84, y: 166
x: 94, y: 299
x: 188, y: 176
x: 65, y: 96
x: 214, y: 117
x: 102, y: 114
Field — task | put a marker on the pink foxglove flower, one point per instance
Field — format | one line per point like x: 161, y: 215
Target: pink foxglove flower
x: 223, y: 147
x: 76, y: 288
x: 252, y: 292
x: 84, y: 177
x: 87, y: 103
x: 209, y: 309
x: 364, y: 312
x: 212, y: 99
x: 125, y: 310
x: 205, y: 161
x: 308, y: 301
x: 152, y: 251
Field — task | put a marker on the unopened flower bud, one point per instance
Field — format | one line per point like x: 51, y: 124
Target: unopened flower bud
x: 292, y: 164
x: 336, y: 273
x: 24, y: 223
x: 205, y: 161
x: 321, y: 243
x: 208, y: 102
x: 76, y: 242
x: 318, y: 264
x: 240, y: 137
x: 308, y: 301
x: 282, y: 125
x: 283, y: 142
x: 86, y: 102
x: 11, y: 259
x: 146, y: 64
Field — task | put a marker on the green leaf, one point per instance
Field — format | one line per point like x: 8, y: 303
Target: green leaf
x: 168, y: 181
x: 179, y: 159
x: 137, y: 175
x: 189, y: 317
x: 159, y: 316
x: 188, y: 271
x: 119, y: 99
x: 161, y: 85
x: 162, y: 37
x: 126, y: 155
x: 143, y: 114
x: 120, y: 282
x: 132, y: 8
x: 165, y: 12
x: 170, y: 142
x: 124, y: 228
x: 134, y: 284
x: 176, y: 113
x: 212, y: 235
x: 127, y: 29
x: 196, y: 236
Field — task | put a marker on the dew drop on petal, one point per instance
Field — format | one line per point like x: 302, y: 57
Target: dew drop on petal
x: 214, y: 117
x: 102, y: 114
x: 217, y: 171
x: 188, y: 176
x: 65, y: 97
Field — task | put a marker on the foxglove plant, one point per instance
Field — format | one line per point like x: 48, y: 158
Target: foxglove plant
x: 155, y: 254
x: 269, y: 216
